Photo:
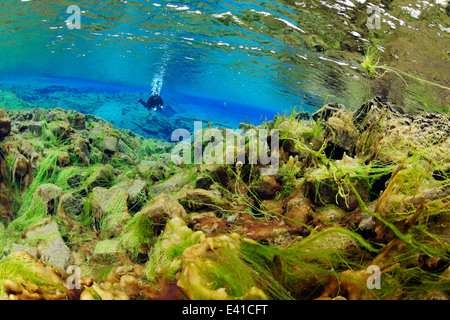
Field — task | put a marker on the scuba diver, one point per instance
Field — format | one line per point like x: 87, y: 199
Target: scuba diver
x: 155, y: 102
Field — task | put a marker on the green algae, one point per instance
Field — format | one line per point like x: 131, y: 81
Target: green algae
x: 371, y: 63
x: 24, y: 272
x: 165, y: 256
x: 231, y: 268
x: 138, y: 234
x: 32, y: 208
x: 296, y: 270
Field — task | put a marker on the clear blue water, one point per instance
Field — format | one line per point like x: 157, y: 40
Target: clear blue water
x: 258, y: 57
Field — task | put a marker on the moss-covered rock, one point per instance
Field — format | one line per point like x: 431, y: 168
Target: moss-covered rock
x: 5, y: 124
x: 23, y: 277
x: 50, y: 245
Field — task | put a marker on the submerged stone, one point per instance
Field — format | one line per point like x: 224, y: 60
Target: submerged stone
x: 5, y: 124
x: 327, y: 111
x: 51, y: 247
x: 23, y: 277
x: 164, y: 206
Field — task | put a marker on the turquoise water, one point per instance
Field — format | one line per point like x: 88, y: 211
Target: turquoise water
x: 224, y: 60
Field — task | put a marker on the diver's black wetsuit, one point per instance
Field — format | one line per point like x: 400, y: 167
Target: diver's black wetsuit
x: 155, y: 102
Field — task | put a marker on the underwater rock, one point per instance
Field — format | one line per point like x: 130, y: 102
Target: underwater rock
x: 329, y: 216
x: 350, y: 284
x: 367, y: 222
x: 69, y: 208
x: 144, y: 168
x: 114, y: 223
x: 100, y: 176
x: 328, y: 191
x: 61, y: 130
x: 82, y: 144
x: 216, y: 172
x: 122, y: 147
x: 16, y: 161
x: 238, y: 187
x: 20, y: 166
x: 328, y: 186
x: 63, y: 159
x: 298, y: 209
x: 174, y: 183
x: 176, y: 242
x: 95, y: 133
x: 165, y: 258
x: 327, y: 111
x: 130, y: 286
x: 5, y: 124
x: 82, y: 157
x: 5, y: 203
x: 200, y: 198
x: 102, y: 199
x: 372, y: 111
x: 388, y: 134
x: 273, y: 207
x: 110, y: 206
x: 153, y: 170
x: 164, y: 206
x: 267, y: 231
x: 199, y: 263
x: 56, y: 115
x: 72, y: 206
x: 23, y: 277
x: 48, y: 193
x: 108, y: 251
x: 103, y: 291
x: 35, y: 128
x: 208, y: 223
x: 50, y: 245
x: 137, y: 191
x: 77, y: 120
x: 303, y: 115
x: 267, y: 187
x: 109, y: 144
x: 344, y: 137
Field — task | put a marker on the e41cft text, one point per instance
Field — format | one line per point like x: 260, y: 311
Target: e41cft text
x: 231, y: 309
x: 251, y: 309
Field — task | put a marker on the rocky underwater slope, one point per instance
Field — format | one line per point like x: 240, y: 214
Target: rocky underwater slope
x: 355, y: 192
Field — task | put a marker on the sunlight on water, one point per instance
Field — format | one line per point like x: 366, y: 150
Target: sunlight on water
x: 272, y: 55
